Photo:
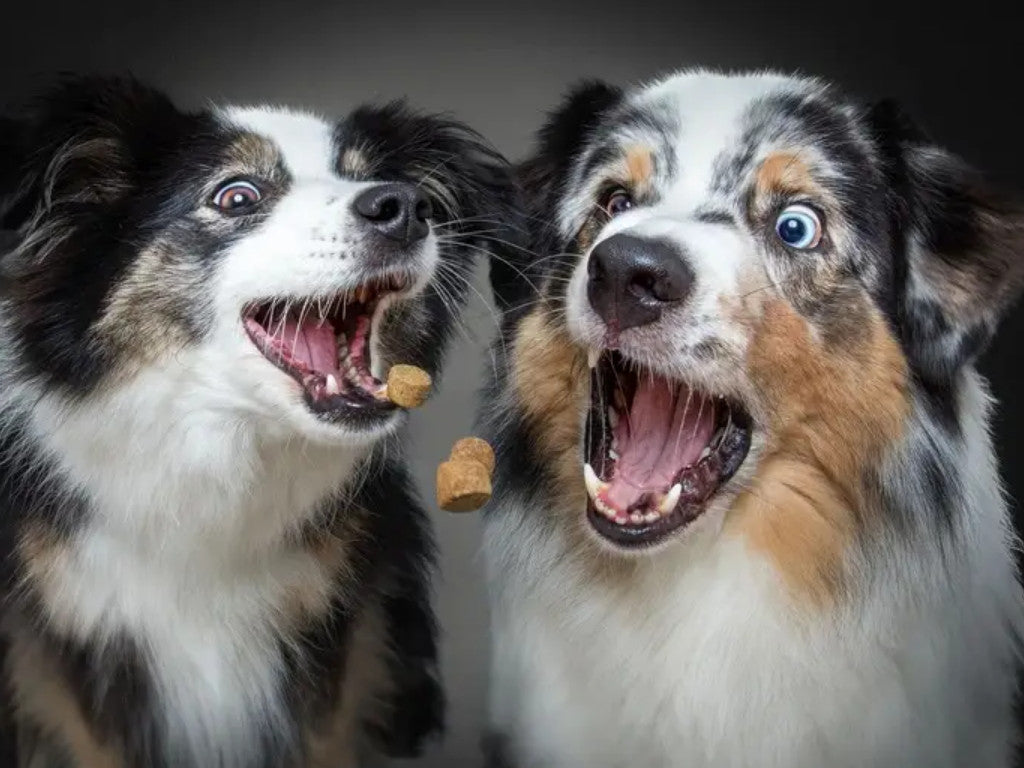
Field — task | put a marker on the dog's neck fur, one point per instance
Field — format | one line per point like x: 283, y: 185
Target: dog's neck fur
x: 705, y: 658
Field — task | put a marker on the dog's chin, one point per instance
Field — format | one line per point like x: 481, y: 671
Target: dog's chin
x: 350, y: 428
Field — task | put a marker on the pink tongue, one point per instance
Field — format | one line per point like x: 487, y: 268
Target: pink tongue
x: 312, y: 344
x: 666, y: 429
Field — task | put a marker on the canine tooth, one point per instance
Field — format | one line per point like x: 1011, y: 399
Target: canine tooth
x: 613, y: 417
x: 332, y: 387
x: 594, y: 484
x: 612, y: 453
x: 593, y: 355
x: 670, y: 499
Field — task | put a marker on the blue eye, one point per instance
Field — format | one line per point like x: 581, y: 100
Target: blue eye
x: 799, y: 227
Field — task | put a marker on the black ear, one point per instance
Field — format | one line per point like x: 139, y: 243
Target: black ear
x: 964, y: 246
x: 541, y: 178
x: 84, y: 136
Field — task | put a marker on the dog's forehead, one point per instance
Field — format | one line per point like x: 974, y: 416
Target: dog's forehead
x: 715, y: 126
x: 303, y: 141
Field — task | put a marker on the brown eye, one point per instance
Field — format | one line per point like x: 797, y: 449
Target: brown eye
x: 618, y: 202
x: 236, y: 196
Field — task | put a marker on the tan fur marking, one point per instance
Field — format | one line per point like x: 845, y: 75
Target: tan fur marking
x: 549, y: 378
x: 140, y: 315
x: 639, y: 167
x: 43, y: 700
x: 789, y: 174
x: 831, y: 414
x: 335, y: 742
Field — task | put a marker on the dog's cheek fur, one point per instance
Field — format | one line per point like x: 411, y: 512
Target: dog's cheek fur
x: 831, y: 412
x: 548, y: 384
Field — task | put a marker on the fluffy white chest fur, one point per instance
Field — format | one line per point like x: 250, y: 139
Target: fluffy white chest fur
x: 704, y: 660
x: 717, y: 671
x: 187, y: 553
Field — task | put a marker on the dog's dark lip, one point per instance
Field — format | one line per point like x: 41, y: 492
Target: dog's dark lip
x: 350, y: 393
x: 696, y: 484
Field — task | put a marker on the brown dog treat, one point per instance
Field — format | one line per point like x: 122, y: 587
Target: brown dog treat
x: 408, y: 386
x: 462, y: 486
x: 474, y: 449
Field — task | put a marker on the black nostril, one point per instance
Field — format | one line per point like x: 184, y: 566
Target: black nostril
x: 632, y: 280
x: 396, y: 210
x: 389, y: 209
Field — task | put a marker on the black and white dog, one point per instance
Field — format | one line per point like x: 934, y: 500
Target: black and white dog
x: 747, y: 511
x: 213, y: 555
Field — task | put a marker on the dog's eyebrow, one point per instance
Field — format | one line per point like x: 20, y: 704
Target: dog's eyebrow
x: 716, y: 216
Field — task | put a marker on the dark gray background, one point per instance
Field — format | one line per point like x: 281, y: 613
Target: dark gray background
x: 500, y: 67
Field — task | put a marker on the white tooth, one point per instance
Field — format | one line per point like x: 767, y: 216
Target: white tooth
x: 604, y: 509
x: 613, y: 454
x: 613, y: 417
x: 332, y: 387
x: 594, y: 484
x: 636, y: 518
x: 651, y: 517
x: 705, y: 453
x: 593, y: 355
x: 670, y: 499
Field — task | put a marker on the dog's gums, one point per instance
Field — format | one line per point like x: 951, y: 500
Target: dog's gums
x: 655, y: 452
x: 324, y: 344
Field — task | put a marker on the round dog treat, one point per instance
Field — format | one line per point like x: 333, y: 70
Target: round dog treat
x: 462, y: 485
x: 408, y: 386
x: 474, y: 449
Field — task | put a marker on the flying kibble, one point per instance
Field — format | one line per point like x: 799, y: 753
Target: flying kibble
x: 464, y: 481
x: 408, y: 386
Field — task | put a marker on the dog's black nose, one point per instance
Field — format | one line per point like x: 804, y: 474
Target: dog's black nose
x: 396, y: 210
x: 632, y: 280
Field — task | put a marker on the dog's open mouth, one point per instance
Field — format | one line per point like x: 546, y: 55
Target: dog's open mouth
x: 656, y: 451
x: 324, y: 344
